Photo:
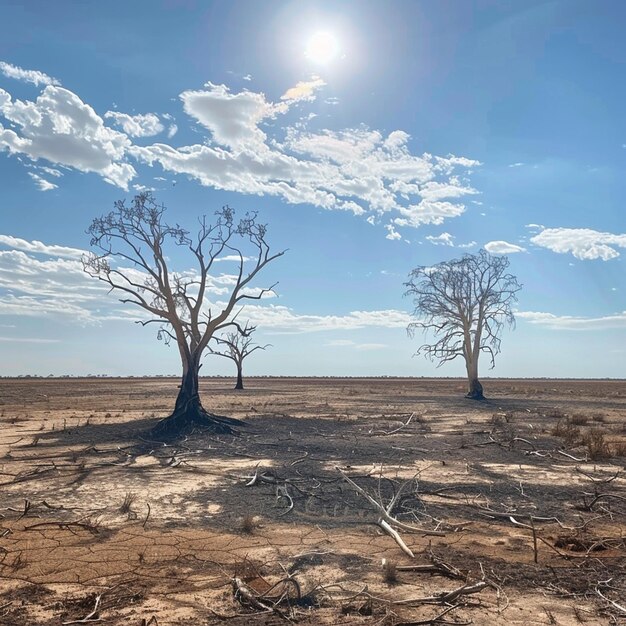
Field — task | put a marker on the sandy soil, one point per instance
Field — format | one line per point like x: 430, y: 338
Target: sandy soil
x: 97, y: 524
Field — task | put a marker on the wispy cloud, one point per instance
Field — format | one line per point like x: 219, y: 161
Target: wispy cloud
x: 28, y: 340
x: 29, y: 76
x: 573, y: 322
x: 42, y: 183
x: 38, y: 247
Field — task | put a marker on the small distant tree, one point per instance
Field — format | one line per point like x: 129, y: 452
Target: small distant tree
x: 236, y: 346
x: 132, y: 256
x: 465, y: 304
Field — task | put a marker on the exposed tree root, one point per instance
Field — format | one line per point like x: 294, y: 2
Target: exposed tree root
x: 181, y: 422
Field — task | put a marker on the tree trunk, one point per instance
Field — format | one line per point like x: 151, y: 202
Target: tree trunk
x: 474, y: 388
x: 189, y: 413
x: 239, y: 384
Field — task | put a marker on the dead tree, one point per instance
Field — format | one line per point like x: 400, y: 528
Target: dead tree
x: 133, y: 251
x: 464, y: 303
x: 236, y: 346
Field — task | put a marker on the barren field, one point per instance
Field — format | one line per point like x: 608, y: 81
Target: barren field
x: 514, y: 509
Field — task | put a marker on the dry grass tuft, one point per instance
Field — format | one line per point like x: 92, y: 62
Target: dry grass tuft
x: 126, y: 506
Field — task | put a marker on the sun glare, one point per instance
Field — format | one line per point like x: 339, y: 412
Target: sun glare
x: 322, y: 47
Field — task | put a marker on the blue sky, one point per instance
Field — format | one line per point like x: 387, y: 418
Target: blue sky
x: 436, y: 128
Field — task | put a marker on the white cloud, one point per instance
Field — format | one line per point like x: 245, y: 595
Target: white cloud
x: 246, y: 150
x: 304, y: 90
x: 503, y: 247
x: 445, y: 239
x: 29, y: 76
x: 232, y: 118
x: 62, y: 129
x: 146, y: 125
x: 38, y: 247
x: 172, y: 130
x: 392, y: 233
x: 42, y: 183
x: 232, y: 257
x: 571, y: 322
x: 583, y: 243
x: 519, y: 164
x: 282, y: 319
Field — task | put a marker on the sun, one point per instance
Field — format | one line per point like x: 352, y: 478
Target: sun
x: 322, y: 47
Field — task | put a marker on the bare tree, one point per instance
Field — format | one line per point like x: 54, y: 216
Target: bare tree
x: 236, y: 346
x: 465, y: 303
x: 132, y: 244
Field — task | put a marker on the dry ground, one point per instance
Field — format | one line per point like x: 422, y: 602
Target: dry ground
x: 99, y: 525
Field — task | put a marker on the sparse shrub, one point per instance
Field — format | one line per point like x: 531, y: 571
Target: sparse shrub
x: 390, y: 572
x: 597, y: 447
x: 567, y: 431
x: 599, y: 417
x: 247, y: 524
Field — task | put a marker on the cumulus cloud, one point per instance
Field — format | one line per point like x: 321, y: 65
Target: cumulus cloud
x: 572, y: 322
x: 29, y: 76
x: 585, y: 244
x: 146, y: 125
x: 62, y: 129
x: 249, y: 147
x: 503, y: 247
x: 392, y: 233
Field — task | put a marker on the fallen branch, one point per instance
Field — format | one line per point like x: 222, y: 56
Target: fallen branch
x: 446, y: 596
x: 394, y: 431
x: 385, y: 512
x: 396, y: 537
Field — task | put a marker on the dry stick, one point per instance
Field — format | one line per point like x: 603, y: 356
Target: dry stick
x: 535, y: 553
x: 446, y: 596
x: 147, y: 516
x: 569, y: 456
x: 435, y: 620
x: 619, y: 607
x: 395, y: 430
x: 588, y: 507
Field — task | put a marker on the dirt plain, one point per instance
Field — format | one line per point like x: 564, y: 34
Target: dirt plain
x: 519, y: 502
